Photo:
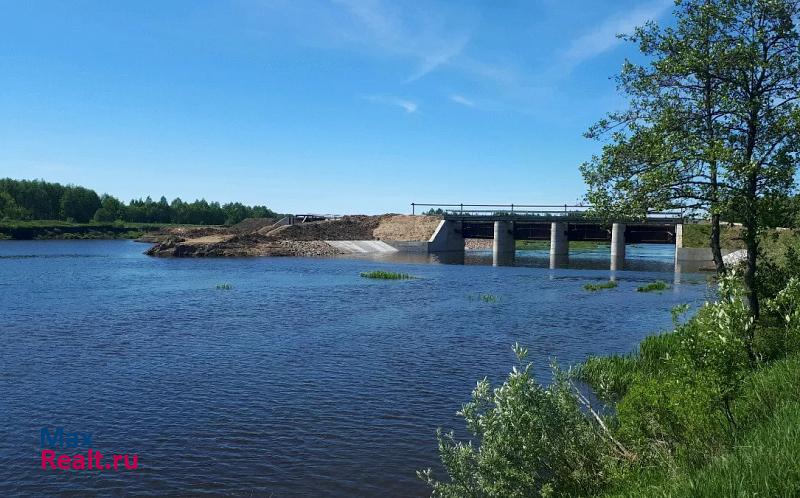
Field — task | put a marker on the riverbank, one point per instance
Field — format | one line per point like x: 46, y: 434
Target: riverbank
x: 64, y: 230
x: 708, y: 409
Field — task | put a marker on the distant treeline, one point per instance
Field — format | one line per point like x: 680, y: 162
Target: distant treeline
x: 41, y: 200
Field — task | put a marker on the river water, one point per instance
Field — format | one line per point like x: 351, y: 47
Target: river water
x: 304, y: 379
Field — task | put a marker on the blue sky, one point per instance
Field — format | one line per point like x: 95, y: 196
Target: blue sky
x: 340, y: 106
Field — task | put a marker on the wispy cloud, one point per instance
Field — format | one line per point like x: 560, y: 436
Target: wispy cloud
x: 604, y: 37
x: 409, y: 106
x: 461, y: 100
x: 418, y: 34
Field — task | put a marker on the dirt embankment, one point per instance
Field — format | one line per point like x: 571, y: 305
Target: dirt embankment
x: 346, y: 228
x: 267, y: 237
x: 406, y: 228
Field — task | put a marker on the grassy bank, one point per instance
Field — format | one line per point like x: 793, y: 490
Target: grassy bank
x: 711, y: 408
x: 55, y: 229
x: 544, y: 245
x: 698, y: 235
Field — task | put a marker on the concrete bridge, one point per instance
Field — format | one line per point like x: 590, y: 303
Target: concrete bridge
x: 505, y: 224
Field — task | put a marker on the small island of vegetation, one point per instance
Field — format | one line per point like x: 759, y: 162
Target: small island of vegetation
x: 386, y: 275
x: 657, y: 286
x: 611, y: 284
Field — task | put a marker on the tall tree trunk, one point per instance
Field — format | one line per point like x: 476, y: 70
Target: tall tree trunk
x: 716, y: 246
x: 751, y: 242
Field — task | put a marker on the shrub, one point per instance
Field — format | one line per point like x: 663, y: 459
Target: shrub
x: 609, y: 376
x: 532, y: 441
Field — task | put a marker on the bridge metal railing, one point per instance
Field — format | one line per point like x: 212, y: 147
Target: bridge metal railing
x: 522, y: 210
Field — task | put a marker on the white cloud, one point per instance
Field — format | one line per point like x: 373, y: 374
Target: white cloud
x: 409, y: 106
x: 415, y: 33
x: 604, y: 37
x: 460, y: 99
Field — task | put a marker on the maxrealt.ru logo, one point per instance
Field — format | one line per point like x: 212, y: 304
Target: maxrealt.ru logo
x: 64, y: 441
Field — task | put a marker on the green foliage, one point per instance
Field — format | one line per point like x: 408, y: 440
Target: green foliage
x: 765, y: 463
x: 534, y: 441
x: 688, y: 412
x: 609, y: 376
x: 486, y: 298
x: 698, y: 235
x: 9, y: 209
x: 40, y: 200
x: 79, y: 204
x: 611, y: 284
x: 489, y: 298
x: 544, y: 245
x: 657, y: 286
x: 224, y: 286
x: 386, y: 275
x: 713, y: 122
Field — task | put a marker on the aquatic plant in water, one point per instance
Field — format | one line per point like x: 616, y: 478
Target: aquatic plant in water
x: 386, y: 275
x: 657, y: 286
x: 611, y: 284
x: 486, y: 298
x: 224, y: 286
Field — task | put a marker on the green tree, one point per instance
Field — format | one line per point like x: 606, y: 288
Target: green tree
x: 712, y: 122
x: 9, y: 209
x: 111, y: 209
x: 665, y: 151
x: 79, y: 204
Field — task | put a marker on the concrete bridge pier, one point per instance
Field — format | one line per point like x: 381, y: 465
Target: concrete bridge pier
x: 448, y: 237
x: 503, y: 246
x: 559, y: 245
x: 617, y: 246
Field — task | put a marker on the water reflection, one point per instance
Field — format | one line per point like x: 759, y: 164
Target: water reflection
x: 640, y: 257
x: 503, y: 258
x: 559, y: 261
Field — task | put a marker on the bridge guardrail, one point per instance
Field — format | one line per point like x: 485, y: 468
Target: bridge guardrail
x: 527, y: 209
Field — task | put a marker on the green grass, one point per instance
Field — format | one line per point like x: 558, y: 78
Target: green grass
x: 68, y: 224
x: 765, y: 463
x: 698, y: 235
x: 611, y: 284
x: 224, y: 286
x: 657, y: 286
x: 386, y: 275
x: 764, y: 458
x: 535, y: 245
x: 57, y: 229
x: 772, y: 242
